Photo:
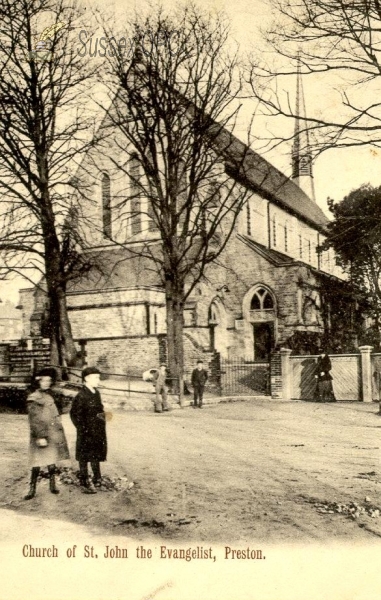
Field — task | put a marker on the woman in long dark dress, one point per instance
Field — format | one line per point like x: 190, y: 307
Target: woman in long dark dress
x: 88, y: 416
x: 324, y: 388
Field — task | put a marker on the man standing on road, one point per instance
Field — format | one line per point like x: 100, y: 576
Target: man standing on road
x: 161, y: 402
x: 199, y: 379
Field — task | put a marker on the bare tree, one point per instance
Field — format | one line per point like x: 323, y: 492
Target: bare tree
x: 338, y: 42
x: 44, y: 127
x: 174, y: 113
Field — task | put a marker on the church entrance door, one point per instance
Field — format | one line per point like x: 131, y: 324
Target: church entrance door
x: 263, y: 340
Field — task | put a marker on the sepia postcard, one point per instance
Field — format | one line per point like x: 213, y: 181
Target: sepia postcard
x: 190, y: 293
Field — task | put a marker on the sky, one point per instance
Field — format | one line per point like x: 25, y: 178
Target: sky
x: 336, y: 172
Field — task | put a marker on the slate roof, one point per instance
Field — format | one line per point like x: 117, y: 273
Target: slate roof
x: 273, y: 256
x: 116, y: 268
x: 262, y: 177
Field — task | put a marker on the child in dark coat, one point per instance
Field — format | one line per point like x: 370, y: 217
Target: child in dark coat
x: 88, y: 416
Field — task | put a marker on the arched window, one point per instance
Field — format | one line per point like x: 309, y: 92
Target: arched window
x: 152, y: 224
x: 262, y: 300
x: 106, y: 205
x: 285, y: 238
x: 274, y: 231
x: 136, y: 216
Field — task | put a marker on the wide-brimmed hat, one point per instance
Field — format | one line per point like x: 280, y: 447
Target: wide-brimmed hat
x: 90, y: 371
x: 47, y: 372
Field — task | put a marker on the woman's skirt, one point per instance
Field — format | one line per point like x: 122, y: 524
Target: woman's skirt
x: 324, y: 392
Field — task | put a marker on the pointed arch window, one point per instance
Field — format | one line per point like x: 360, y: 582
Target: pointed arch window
x: 274, y: 231
x: 136, y: 209
x: 152, y: 224
x: 262, y: 300
x: 106, y: 205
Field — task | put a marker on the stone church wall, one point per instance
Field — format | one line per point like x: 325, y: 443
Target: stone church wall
x: 128, y: 356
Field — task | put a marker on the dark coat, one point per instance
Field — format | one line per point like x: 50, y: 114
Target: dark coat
x: 45, y: 423
x: 199, y: 377
x: 88, y: 416
x: 324, y: 366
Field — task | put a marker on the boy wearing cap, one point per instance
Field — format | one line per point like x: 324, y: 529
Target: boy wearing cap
x: 88, y: 416
x: 199, y: 379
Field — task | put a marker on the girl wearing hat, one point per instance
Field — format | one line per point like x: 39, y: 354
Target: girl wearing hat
x: 47, y: 438
x: 88, y: 416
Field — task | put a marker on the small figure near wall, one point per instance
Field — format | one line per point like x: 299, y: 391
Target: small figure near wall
x: 199, y: 379
x: 324, y: 387
x: 161, y: 398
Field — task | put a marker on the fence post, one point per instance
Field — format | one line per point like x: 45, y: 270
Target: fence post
x: 275, y: 375
x: 286, y: 373
x: 366, y: 373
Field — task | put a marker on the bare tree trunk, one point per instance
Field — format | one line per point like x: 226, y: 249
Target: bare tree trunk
x: 68, y: 346
x: 54, y: 351
x: 62, y: 343
x: 175, y: 326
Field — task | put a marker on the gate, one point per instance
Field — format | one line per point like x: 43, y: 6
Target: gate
x: 240, y: 378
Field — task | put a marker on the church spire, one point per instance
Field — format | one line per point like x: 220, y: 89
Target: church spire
x: 301, y: 150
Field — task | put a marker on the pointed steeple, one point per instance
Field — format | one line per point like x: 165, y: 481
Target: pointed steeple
x: 301, y: 149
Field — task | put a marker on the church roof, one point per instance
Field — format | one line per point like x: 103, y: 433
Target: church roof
x: 273, y: 256
x: 257, y: 173
x: 116, y: 268
x: 262, y: 177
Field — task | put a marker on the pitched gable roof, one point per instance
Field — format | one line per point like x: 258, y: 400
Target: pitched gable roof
x: 255, y: 172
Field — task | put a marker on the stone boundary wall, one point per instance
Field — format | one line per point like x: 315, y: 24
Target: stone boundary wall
x: 356, y: 377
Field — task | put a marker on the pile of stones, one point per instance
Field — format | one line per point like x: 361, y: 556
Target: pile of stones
x: 352, y: 510
x: 68, y: 476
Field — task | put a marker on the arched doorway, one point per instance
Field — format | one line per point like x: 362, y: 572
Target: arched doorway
x: 262, y: 318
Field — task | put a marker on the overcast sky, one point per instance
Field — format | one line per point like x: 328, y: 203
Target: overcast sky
x: 336, y: 172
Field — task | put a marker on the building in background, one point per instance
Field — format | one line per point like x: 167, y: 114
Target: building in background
x: 10, y: 321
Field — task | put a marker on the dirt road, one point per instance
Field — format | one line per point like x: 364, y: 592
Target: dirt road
x: 264, y: 471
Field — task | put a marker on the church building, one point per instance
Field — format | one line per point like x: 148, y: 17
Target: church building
x: 267, y: 286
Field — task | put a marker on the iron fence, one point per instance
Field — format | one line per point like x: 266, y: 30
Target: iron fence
x: 240, y: 378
